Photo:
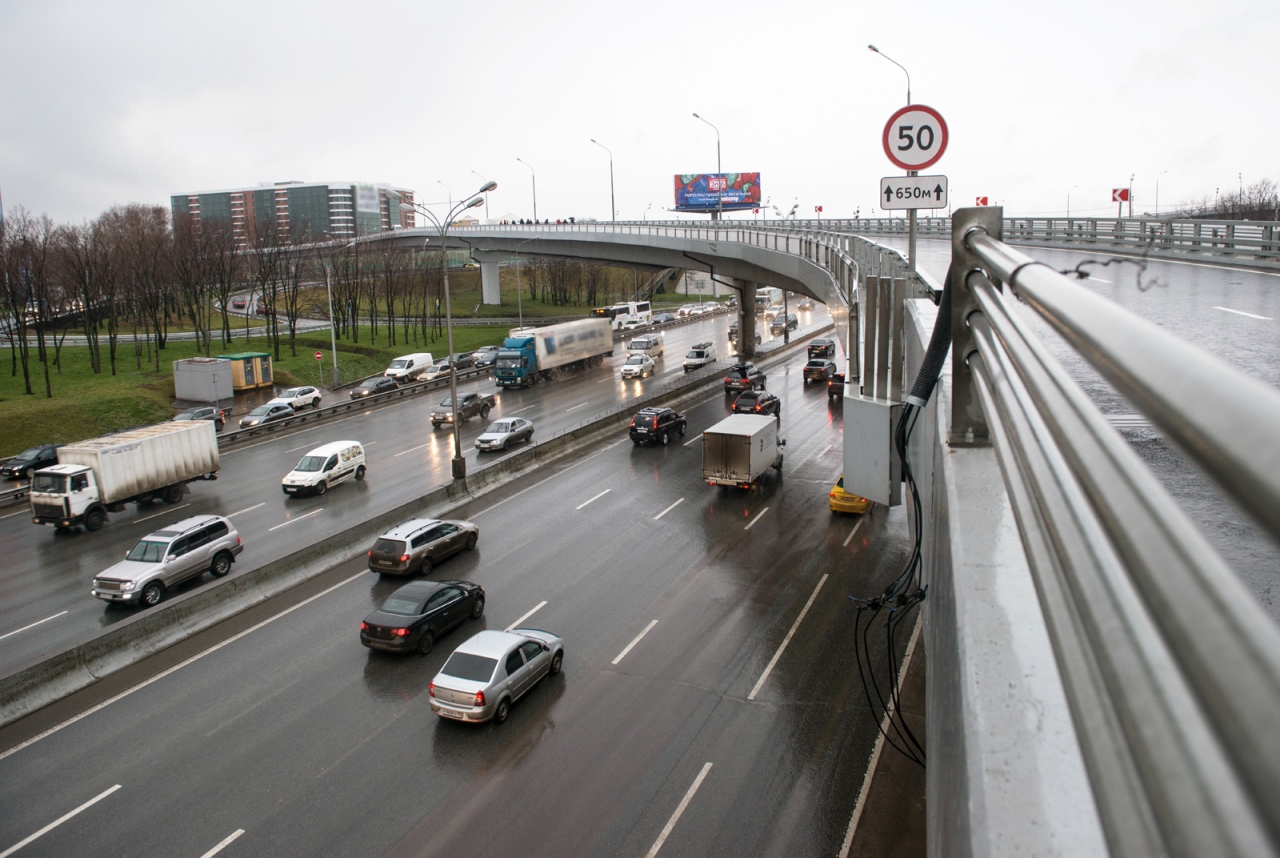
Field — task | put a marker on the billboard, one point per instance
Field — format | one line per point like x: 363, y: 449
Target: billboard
x: 705, y: 192
x: 368, y: 199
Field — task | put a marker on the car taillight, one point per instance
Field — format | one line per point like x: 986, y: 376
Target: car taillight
x: 431, y: 689
x: 237, y: 540
x: 833, y: 494
x: 400, y: 633
x: 479, y: 701
x: 364, y: 627
x: 370, y: 553
x: 757, y: 408
x: 404, y: 558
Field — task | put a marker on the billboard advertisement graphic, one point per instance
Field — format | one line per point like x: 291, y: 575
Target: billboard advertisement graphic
x: 704, y: 192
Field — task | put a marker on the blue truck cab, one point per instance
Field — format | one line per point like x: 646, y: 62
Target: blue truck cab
x: 517, y: 360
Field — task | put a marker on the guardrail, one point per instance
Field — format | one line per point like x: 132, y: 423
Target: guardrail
x: 1170, y: 667
x: 15, y: 493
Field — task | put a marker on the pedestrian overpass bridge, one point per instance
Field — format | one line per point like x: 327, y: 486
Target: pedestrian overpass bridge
x: 1099, y: 682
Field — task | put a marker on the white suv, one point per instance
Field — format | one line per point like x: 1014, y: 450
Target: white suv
x: 166, y: 558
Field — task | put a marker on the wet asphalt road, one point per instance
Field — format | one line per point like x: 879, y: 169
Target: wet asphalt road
x: 309, y: 744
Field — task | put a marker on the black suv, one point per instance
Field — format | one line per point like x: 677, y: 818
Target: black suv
x: 758, y: 402
x: 743, y: 376
x: 656, y: 425
x: 21, y: 466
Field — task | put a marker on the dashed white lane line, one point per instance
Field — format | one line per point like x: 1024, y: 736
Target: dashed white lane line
x: 596, y: 498
x: 668, y: 509
x: 299, y: 518
x: 535, y: 610
x: 52, y: 825
x: 32, y: 625
x: 849, y: 538
x: 757, y: 518
x: 526, y: 408
x: 695, y: 439
x: 224, y: 844
x: 19, y: 512
x: 1243, y: 313
x: 411, y: 449
x: 783, y: 646
x: 825, y: 450
x: 246, y: 509
x: 576, y: 407
x: 158, y: 514
x: 638, y: 637
x: 675, y: 817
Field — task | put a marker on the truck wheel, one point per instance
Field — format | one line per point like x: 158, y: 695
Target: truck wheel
x: 152, y: 594
x: 172, y: 494
x: 484, y: 412
x: 93, y: 521
x: 221, y: 564
x: 322, y: 487
x: 360, y: 473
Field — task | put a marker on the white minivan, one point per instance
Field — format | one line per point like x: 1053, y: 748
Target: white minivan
x: 406, y: 368
x: 650, y: 344
x: 324, y: 467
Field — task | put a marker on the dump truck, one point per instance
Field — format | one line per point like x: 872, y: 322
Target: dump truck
x: 532, y: 355
x: 739, y: 449
x: 139, y: 465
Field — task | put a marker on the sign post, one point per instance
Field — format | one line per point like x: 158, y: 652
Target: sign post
x: 914, y: 138
x: 320, y: 366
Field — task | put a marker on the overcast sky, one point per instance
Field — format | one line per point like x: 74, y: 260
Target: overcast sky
x: 111, y: 103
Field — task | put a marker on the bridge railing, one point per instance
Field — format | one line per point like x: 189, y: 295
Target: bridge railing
x: 1171, y: 668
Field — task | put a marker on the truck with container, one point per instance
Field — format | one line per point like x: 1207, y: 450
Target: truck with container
x: 139, y: 465
x: 532, y: 355
x: 739, y: 449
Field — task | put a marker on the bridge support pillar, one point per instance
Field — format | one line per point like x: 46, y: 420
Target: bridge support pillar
x: 746, y: 318
x: 489, y: 292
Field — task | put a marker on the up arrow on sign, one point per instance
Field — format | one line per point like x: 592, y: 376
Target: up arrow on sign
x: 913, y: 192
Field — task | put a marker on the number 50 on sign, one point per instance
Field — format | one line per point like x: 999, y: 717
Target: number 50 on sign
x: 915, y: 137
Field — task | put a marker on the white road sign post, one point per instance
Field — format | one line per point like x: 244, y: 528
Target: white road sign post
x: 915, y: 137
x: 913, y: 192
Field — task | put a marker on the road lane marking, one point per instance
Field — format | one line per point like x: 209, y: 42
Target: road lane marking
x: 596, y: 498
x: 825, y: 450
x: 849, y: 538
x: 158, y: 514
x: 1243, y: 313
x: 32, y: 626
x: 875, y: 754
x: 675, y: 817
x: 694, y: 440
x: 757, y: 518
x: 299, y: 518
x: 296, y: 449
x: 623, y: 654
x: 783, y: 646
x: 162, y: 674
x: 411, y: 449
x: 246, y: 509
x: 526, y: 408
x: 576, y: 407
x: 668, y: 509
x: 224, y: 844
x: 26, y: 511
x: 535, y: 610
x: 324, y: 425
x: 52, y: 825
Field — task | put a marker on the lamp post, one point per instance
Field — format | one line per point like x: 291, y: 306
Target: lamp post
x: 535, y: 187
x: 333, y: 323
x: 646, y: 211
x: 1069, y: 190
x: 519, y: 298
x: 613, y: 203
x: 449, y: 189
x: 1158, y: 175
x: 442, y: 227
x: 486, y: 196
x: 1131, y: 175
x: 911, y: 213
x: 720, y: 192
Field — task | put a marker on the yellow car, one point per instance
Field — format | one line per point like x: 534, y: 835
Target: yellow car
x: 842, y: 501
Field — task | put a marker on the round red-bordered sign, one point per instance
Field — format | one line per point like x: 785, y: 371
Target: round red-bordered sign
x: 915, y: 137
x: 319, y: 356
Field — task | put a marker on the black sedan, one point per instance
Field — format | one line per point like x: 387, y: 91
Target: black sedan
x: 819, y: 369
x: 415, y: 615
x: 370, y: 386
x: 21, y: 466
x: 758, y: 402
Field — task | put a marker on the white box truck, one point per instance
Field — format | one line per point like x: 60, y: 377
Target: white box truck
x: 138, y: 465
x: 739, y: 449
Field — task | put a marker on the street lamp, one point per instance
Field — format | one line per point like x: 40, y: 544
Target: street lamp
x: 1069, y: 190
x: 1131, y: 175
x: 876, y: 50
x: 486, y: 196
x: 613, y: 204
x: 535, y: 187
x: 1158, y: 175
x: 911, y: 213
x: 333, y: 323
x: 442, y: 227
x: 449, y: 189
x: 646, y: 211
x: 519, y: 298
x: 720, y: 191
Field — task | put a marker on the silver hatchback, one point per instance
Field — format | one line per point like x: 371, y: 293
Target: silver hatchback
x: 419, y: 544
x: 491, y: 671
x: 161, y: 560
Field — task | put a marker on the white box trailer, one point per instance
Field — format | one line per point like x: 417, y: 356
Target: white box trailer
x: 151, y: 462
x: 739, y: 449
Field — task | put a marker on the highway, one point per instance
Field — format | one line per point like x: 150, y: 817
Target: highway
x: 708, y: 703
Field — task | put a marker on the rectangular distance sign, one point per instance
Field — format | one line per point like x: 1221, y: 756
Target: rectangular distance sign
x: 913, y: 192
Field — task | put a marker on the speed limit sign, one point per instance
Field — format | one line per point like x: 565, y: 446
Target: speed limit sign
x: 915, y: 137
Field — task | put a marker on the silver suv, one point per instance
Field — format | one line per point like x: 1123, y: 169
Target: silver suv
x: 419, y: 544
x: 164, y: 559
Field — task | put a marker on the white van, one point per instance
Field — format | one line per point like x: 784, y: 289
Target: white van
x: 324, y: 467
x: 650, y: 344
x: 408, y: 367
x: 699, y: 356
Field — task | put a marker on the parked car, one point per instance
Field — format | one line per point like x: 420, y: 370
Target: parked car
x: 161, y: 560
x: 419, y: 544
x: 491, y: 671
x: 298, y: 397
x: 501, y: 434
x: 758, y: 402
x: 638, y: 366
x: 372, y: 386
x: 819, y: 369
x: 23, y: 465
x: 656, y: 425
x: 415, y: 615
x: 325, y: 467
x: 781, y: 323
x: 843, y: 501
x: 835, y: 386
x: 204, y: 412
x: 268, y: 413
x: 822, y: 347
x: 743, y: 376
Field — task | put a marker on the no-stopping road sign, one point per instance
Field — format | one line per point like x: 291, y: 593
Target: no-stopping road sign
x: 913, y: 192
x: 915, y: 137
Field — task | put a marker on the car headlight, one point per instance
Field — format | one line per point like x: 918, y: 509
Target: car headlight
x: 128, y: 585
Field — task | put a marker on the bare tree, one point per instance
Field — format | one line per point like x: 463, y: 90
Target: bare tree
x: 226, y: 260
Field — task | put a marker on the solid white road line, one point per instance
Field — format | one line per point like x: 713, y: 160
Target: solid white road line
x: 576, y: 407
x: 668, y: 509
x: 675, y: 817
x: 246, y: 509
x: 224, y: 844
x: 695, y: 439
x: 526, y: 408
x: 849, y: 538
x: 52, y: 825
x: 26, y: 511
x: 623, y: 654
x: 596, y: 498
x: 535, y: 610
x: 299, y: 518
x: 757, y: 518
x: 782, y: 648
x: 411, y: 449
x: 158, y: 514
x: 875, y: 754
x: 1243, y: 313
x: 162, y: 674
x: 32, y: 626
x: 296, y: 449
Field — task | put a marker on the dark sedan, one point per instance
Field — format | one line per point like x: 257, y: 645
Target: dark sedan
x: 265, y: 414
x: 758, y: 402
x: 370, y: 386
x: 415, y: 615
x: 21, y: 466
x: 819, y: 369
